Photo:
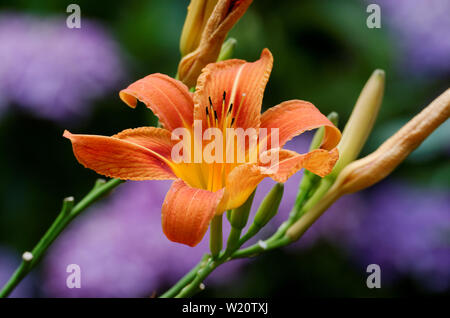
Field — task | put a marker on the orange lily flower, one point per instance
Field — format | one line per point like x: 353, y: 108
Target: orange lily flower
x: 232, y: 90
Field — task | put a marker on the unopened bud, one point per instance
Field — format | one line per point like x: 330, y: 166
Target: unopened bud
x: 239, y: 216
x: 361, y: 121
x: 227, y: 50
x: 369, y: 170
x: 376, y: 166
x: 269, y: 206
x: 197, y: 16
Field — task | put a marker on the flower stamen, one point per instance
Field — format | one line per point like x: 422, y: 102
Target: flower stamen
x: 240, y: 105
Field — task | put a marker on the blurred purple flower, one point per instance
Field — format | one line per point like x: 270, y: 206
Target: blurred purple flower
x: 121, y: 249
x: 53, y: 71
x: 406, y: 231
x: 403, y: 229
x: 8, y: 264
x: 421, y: 28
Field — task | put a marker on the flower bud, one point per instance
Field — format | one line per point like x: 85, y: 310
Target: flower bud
x: 239, y: 216
x: 376, y: 166
x: 224, y: 16
x: 227, y: 50
x: 269, y: 206
x: 361, y: 121
x: 367, y: 171
x: 198, y: 14
x: 353, y: 139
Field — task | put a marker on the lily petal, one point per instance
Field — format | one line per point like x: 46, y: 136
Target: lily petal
x: 187, y: 212
x: 243, y: 84
x: 155, y: 139
x: 318, y: 161
x: 243, y: 179
x: 134, y: 154
x: 293, y: 118
x: 169, y: 99
x: 240, y: 184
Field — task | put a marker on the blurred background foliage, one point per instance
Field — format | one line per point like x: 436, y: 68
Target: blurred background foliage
x: 323, y: 53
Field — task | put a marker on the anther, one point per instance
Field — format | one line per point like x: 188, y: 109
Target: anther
x: 224, y: 95
x: 207, y: 112
x: 215, y: 115
x: 210, y: 101
x: 231, y: 108
x: 232, y: 121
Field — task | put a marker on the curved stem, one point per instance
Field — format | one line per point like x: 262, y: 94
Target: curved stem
x: 189, y: 277
x: 194, y: 286
x: 233, y: 240
x: 307, y: 197
x: 67, y: 214
x: 197, y: 276
x: 262, y: 246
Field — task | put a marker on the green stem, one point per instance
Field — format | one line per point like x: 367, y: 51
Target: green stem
x: 67, y: 214
x: 304, y: 192
x: 318, y: 194
x: 194, y: 286
x: 308, y: 196
x: 279, y: 239
x: 18, y: 275
x: 216, y: 238
x: 233, y: 240
x: 189, y: 277
x: 262, y: 246
x: 303, y: 204
x: 253, y: 229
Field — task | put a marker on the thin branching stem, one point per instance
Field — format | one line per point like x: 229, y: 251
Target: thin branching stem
x: 67, y: 214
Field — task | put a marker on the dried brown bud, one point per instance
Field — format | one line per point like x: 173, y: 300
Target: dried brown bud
x: 369, y: 170
x: 224, y: 16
